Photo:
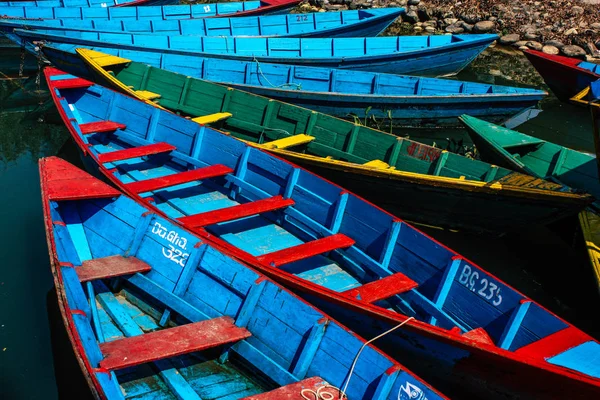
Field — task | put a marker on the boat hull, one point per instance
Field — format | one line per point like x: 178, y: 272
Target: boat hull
x: 561, y: 74
x: 432, y: 61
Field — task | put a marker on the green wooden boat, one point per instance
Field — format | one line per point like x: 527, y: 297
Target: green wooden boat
x: 414, y: 181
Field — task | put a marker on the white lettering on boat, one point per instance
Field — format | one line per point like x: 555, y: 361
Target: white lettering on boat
x: 412, y: 391
x: 483, y: 287
x: 177, y: 255
x: 206, y: 8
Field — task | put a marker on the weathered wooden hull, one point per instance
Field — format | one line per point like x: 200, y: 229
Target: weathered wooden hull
x: 446, y: 59
x: 561, y: 74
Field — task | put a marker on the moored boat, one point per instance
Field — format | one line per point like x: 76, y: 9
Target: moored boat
x: 589, y: 97
x: 49, y: 9
x: 373, y: 163
x: 154, y: 312
x: 399, y: 100
x: 368, y: 267
x: 426, y: 55
x: 351, y: 23
x: 565, y: 76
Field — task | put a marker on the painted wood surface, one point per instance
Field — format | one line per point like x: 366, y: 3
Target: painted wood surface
x: 195, y: 326
x: 352, y: 23
x: 453, y: 297
x: 406, y: 100
x: 426, y: 55
x: 50, y: 9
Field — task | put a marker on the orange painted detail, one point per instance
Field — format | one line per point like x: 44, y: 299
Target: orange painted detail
x: 236, y: 212
x: 177, y: 179
x: 306, y: 250
x: 134, y: 152
x: 63, y: 181
x: 293, y: 391
x: 554, y: 344
x: 170, y: 342
x: 479, y: 335
x: 109, y: 267
x: 100, y: 126
x: 383, y: 288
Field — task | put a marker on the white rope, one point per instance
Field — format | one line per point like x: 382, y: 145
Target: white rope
x: 328, y: 396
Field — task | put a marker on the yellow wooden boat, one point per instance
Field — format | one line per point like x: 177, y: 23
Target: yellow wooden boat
x: 414, y: 181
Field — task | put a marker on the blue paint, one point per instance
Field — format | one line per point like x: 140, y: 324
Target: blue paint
x: 352, y: 23
x: 444, y: 288
x: 584, y: 358
x: 514, y: 324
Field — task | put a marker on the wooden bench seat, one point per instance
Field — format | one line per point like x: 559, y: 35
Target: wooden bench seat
x: 212, y: 118
x: 110, y: 267
x: 293, y: 391
x: 236, y: 212
x: 383, y: 288
x: 170, y: 342
x: 72, y: 83
x: 306, y: 250
x: 145, y: 94
x: 139, y: 151
x: 100, y: 126
x: 291, y: 141
x: 162, y: 182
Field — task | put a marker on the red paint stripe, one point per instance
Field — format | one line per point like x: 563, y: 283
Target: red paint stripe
x: 134, y: 152
x: 72, y: 83
x: 554, y: 344
x: 306, y: 250
x: 383, y: 288
x: 236, y: 212
x: 162, y: 182
x: 100, y: 126
x: 110, y: 267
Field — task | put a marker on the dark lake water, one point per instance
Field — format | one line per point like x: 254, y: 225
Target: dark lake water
x: 36, y: 361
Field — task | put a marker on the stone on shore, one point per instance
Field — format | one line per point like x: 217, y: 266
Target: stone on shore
x: 555, y: 43
x: 411, y: 17
x: 534, y: 45
x: 484, y: 26
x: 551, y: 50
x: 454, y: 29
x: 510, y: 39
x: 573, y: 51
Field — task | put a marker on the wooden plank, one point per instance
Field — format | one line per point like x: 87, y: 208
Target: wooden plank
x: 309, y: 350
x: 109, y: 267
x: 291, y: 141
x: 162, y: 182
x: 306, y: 250
x: 293, y: 391
x: 139, y: 151
x: 554, y: 344
x: 212, y: 118
x: 383, y: 288
x: 445, y: 284
x: 147, y: 94
x: 236, y: 212
x: 171, y: 342
x: 100, y: 126
x: 513, y: 325
x: 72, y: 83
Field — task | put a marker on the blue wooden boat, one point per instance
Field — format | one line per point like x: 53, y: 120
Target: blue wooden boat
x: 423, y: 55
x: 80, y: 9
x: 353, y: 23
x: 153, y: 312
x: 403, y: 100
x: 472, y: 333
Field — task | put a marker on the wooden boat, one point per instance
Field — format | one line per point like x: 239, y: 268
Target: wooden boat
x: 352, y: 23
x: 344, y: 254
x: 401, y: 100
x: 83, y: 3
x: 425, y: 55
x: 154, y: 312
x: 545, y: 160
x: 414, y: 172
x: 49, y: 9
x: 564, y: 75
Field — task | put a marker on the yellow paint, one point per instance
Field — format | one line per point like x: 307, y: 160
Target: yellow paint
x: 212, y: 118
x: 581, y: 98
x: 290, y: 141
x: 105, y: 60
x: 147, y: 94
x: 590, y: 226
x: 377, y: 164
x: 509, y: 185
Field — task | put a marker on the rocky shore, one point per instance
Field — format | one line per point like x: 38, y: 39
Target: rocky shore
x: 568, y: 27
